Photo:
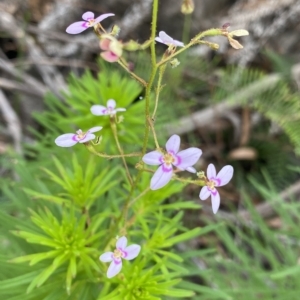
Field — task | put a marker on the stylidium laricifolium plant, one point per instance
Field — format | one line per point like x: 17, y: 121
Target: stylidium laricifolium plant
x: 85, y: 242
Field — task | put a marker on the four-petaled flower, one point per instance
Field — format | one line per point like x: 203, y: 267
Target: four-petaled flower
x: 234, y: 43
x: 213, y: 180
x: 120, y: 252
x: 110, y: 109
x: 183, y: 160
x: 167, y: 40
x: 112, y: 48
x: 89, y: 21
x: 70, y: 139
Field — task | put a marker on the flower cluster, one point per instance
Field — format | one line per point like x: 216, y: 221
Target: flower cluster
x: 184, y: 161
x: 112, y: 47
x: 170, y: 160
x: 71, y: 139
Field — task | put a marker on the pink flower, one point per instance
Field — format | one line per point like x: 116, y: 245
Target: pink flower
x: 182, y: 160
x: 120, y: 252
x: 167, y: 40
x: 110, y: 109
x: 213, y: 180
x: 112, y: 48
x: 71, y: 139
x: 89, y: 21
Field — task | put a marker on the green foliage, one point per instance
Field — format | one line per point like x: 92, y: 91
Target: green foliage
x: 76, y: 202
x: 258, y: 261
x: 270, y: 95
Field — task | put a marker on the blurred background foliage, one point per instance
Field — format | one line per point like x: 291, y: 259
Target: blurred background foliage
x: 240, y: 107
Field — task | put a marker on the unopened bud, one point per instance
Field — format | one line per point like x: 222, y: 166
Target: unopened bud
x: 174, y: 63
x: 187, y: 7
x: 213, y: 46
x: 115, y: 30
x: 139, y: 166
x: 201, y: 174
x: 132, y: 46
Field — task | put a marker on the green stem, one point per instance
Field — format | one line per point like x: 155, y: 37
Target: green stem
x: 115, y: 134
x: 186, y: 28
x: 153, y: 32
x: 104, y: 155
x: 158, y: 89
x: 154, y: 134
x: 137, y: 198
x: 136, y: 77
x: 147, y: 104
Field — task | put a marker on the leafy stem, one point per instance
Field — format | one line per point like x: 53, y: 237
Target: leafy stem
x: 195, y: 40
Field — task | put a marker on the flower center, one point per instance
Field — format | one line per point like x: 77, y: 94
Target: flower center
x: 91, y: 22
x: 109, y: 110
x: 168, y: 158
x: 80, y: 135
x: 211, y: 184
x: 118, y: 253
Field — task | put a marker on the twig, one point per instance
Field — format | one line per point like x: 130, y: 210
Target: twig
x: 13, y: 122
x: 38, y: 87
x: 50, y: 74
x: 18, y: 86
x: 206, y: 116
x: 135, y: 16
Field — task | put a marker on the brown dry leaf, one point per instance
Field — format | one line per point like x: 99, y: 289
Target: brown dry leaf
x: 243, y: 153
x: 234, y: 43
x: 3, y: 147
x: 275, y: 223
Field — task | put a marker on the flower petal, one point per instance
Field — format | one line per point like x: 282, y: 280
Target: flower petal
x: 121, y: 243
x: 76, y: 27
x: 99, y: 110
x: 173, y: 143
x: 88, y: 137
x: 191, y: 169
x: 152, y: 158
x: 161, y: 177
x: 178, y: 43
x: 234, y: 43
x: 225, y: 175
x: 132, y: 251
x: 204, y: 193
x: 106, y: 257
x: 188, y: 157
x: 111, y: 103
x: 109, y: 56
x: 215, y: 201
x: 165, y: 38
x: 95, y: 129
x: 104, y: 44
x: 211, y: 172
x: 159, y: 40
x: 66, y: 140
x: 114, y: 268
x: 102, y: 17
x: 88, y: 15
x: 120, y: 109
x: 239, y: 32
